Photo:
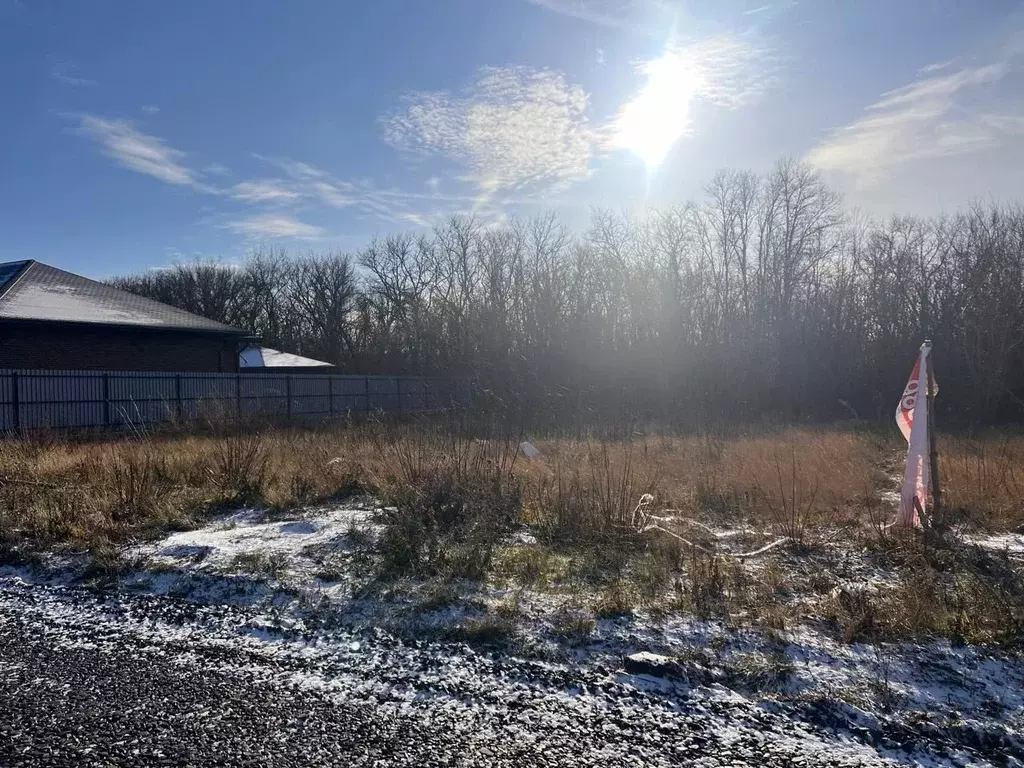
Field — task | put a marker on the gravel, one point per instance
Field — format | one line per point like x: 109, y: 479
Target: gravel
x: 103, y: 679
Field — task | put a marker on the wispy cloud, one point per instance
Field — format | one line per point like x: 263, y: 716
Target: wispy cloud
x: 733, y: 70
x: 513, y: 127
x: 67, y: 73
x: 274, y: 226
x: 605, y: 13
x: 121, y: 141
x: 946, y: 114
x: 263, y: 191
x: 936, y: 67
x: 151, y: 109
x: 652, y: 17
x: 272, y: 201
x: 724, y: 71
x: 313, y: 185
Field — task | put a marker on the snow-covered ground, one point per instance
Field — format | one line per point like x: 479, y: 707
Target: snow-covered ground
x: 296, y: 585
x: 1010, y: 543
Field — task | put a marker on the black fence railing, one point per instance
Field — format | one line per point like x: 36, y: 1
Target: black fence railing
x: 31, y: 399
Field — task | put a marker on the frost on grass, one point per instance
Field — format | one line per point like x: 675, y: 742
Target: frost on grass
x: 308, y: 577
x: 252, y: 555
x: 1010, y: 543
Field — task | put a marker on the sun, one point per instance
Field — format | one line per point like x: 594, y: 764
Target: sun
x: 650, y: 124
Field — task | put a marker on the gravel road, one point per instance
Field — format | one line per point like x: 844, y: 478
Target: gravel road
x: 96, y: 679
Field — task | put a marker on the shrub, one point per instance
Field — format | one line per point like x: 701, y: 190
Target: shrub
x: 451, y: 501
x: 241, y: 466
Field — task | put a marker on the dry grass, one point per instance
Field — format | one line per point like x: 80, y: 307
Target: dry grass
x: 790, y: 480
x: 983, y: 480
x: 74, y: 494
x: 454, y: 498
x: 964, y: 593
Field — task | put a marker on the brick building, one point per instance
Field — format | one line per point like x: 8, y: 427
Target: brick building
x: 52, y: 319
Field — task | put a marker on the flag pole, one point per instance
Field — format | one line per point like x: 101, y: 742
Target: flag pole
x: 933, y: 451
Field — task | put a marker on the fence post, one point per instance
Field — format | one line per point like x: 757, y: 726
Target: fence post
x: 288, y: 394
x: 330, y: 394
x: 238, y: 396
x: 366, y: 382
x: 398, y: 392
x: 426, y: 394
x: 15, y: 402
x: 177, y: 395
x: 106, y: 399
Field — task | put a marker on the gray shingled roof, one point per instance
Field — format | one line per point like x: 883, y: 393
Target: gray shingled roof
x: 33, y: 291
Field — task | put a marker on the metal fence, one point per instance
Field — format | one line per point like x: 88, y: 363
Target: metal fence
x: 32, y: 399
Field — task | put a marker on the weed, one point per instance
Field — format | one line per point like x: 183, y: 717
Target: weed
x: 139, y: 483
x: 271, y: 565
x: 492, y: 630
x: 613, y: 603
x: 527, y: 565
x: 439, y: 596
x: 574, y: 627
x: 761, y: 671
x: 241, y: 466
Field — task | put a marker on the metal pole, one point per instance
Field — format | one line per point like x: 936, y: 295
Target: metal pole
x: 330, y: 395
x: 238, y: 396
x: 177, y: 395
x: 933, y: 451
x: 288, y: 394
x: 426, y: 394
x: 366, y: 382
x: 106, y: 399
x: 398, y: 392
x: 15, y: 402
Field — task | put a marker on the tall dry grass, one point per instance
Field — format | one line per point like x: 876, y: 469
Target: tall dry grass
x: 983, y: 480
x: 56, y: 492
x: 452, y: 496
x: 790, y: 480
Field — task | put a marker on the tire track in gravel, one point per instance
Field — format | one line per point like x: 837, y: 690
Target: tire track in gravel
x: 98, y: 679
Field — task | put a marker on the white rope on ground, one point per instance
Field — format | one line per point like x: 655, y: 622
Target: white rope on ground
x: 641, y: 523
x: 738, y: 555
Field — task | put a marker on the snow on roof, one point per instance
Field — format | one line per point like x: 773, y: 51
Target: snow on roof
x: 265, y: 357
x: 33, y: 291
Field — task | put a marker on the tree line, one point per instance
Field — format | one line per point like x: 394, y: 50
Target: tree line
x: 765, y: 300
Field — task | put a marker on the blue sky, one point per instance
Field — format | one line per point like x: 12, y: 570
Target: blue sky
x: 136, y: 134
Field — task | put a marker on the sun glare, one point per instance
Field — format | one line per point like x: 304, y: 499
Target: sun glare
x: 651, y: 123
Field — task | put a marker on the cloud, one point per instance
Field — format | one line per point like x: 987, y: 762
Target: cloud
x: 151, y: 109
x: 601, y: 12
x: 300, y: 185
x: 274, y: 226
x: 937, y: 66
x: 137, y: 151
x: 620, y: 14
x: 263, y: 191
x: 67, y: 73
x: 656, y: 18
x: 733, y: 70
x: 723, y: 71
x: 514, y: 127
x: 948, y: 114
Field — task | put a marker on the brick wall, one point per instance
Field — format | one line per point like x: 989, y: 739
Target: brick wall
x: 89, y: 348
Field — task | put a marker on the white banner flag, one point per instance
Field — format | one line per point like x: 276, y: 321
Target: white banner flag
x: 912, y: 419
